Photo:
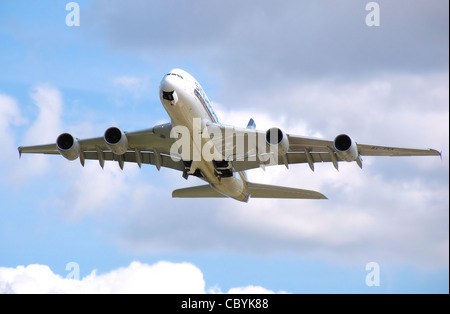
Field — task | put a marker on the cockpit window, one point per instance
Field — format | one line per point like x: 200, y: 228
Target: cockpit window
x: 175, y: 74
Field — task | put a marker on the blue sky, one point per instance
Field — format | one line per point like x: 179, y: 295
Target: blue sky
x: 313, y: 69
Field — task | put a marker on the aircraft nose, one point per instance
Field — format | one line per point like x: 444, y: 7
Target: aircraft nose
x: 167, y: 84
x: 168, y: 88
x: 171, y: 82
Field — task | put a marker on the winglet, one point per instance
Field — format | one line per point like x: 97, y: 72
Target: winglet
x: 20, y: 152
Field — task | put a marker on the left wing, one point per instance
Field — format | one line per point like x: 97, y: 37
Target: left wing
x: 150, y: 146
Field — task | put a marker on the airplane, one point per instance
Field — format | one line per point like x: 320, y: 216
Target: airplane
x: 197, y: 144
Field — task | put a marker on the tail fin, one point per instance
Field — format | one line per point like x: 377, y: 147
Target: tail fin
x: 251, y: 124
x: 254, y: 189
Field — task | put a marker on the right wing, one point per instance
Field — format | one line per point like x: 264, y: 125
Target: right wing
x: 150, y: 146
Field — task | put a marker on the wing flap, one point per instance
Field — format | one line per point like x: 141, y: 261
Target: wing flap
x: 146, y: 158
x: 292, y: 158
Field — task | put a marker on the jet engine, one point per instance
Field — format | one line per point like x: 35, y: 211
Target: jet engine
x: 116, y: 140
x: 346, y: 148
x: 277, y: 139
x: 68, y: 146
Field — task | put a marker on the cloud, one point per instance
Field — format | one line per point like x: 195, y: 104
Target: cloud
x: 251, y: 290
x: 49, y: 101
x: 374, y: 107
x: 159, y: 278
x: 109, y: 195
x: 10, y: 116
x: 43, y: 130
x: 272, y: 43
x: 131, y: 83
x: 125, y: 86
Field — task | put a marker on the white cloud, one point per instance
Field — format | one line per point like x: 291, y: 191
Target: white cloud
x: 10, y: 116
x: 162, y: 277
x: 43, y: 130
x: 136, y: 87
x: 131, y: 83
x: 390, y: 107
x: 251, y: 290
x: 91, y: 190
x: 47, y: 125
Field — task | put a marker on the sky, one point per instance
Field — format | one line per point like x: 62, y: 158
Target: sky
x: 312, y: 68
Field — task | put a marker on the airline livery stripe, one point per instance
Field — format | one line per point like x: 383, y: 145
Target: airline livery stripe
x: 200, y: 98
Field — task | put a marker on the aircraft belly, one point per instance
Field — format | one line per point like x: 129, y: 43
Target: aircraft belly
x: 234, y: 187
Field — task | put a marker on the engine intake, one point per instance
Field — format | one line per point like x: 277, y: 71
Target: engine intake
x: 68, y: 146
x: 346, y: 148
x: 278, y: 139
x: 116, y: 140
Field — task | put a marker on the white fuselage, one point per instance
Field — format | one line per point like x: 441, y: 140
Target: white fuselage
x: 188, y: 106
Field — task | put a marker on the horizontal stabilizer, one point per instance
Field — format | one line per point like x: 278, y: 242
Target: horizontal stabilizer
x: 197, y: 191
x: 257, y: 190
x: 254, y: 189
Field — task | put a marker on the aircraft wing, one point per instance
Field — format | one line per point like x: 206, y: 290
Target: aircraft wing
x: 241, y: 145
x: 299, y: 150
x: 150, y: 146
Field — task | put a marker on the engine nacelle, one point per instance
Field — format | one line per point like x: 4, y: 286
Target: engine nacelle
x: 277, y: 139
x: 68, y: 146
x: 116, y: 140
x: 346, y: 148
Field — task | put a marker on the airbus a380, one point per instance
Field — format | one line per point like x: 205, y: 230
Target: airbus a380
x: 197, y: 144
